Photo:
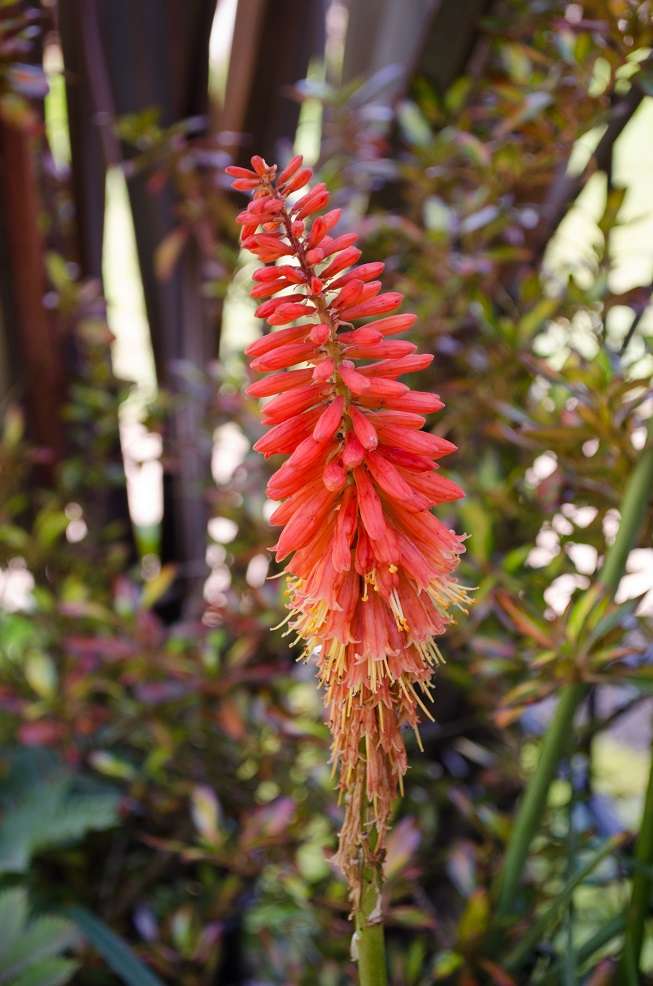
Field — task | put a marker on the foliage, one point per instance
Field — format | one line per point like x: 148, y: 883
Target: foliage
x: 31, y: 947
x: 20, y: 81
x: 117, y: 954
x: 45, y: 804
x: 204, y: 725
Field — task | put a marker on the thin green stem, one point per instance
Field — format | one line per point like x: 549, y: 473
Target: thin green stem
x: 530, y: 810
x: 641, y: 890
x: 550, y: 918
x: 365, y: 877
x: 370, y: 939
x: 633, y: 510
x: 595, y: 943
x: 570, y: 971
x: 560, y: 729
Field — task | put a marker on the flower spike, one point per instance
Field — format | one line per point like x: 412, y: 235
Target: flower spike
x: 370, y: 568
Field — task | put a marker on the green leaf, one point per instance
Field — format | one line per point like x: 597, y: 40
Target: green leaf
x: 615, y: 617
x: 157, y: 586
x: 472, y: 148
x: 438, y: 216
x: 545, y: 922
x: 113, y: 949
x: 562, y: 438
x: 457, y: 93
x: 446, y: 964
x: 44, y: 937
x: 645, y: 81
x: 587, y: 950
x: 43, y: 803
x: 474, y: 919
x: 517, y: 62
x: 581, y: 610
x: 531, y: 106
x: 534, y: 320
x: 50, y: 972
x: 478, y: 522
x: 13, y: 537
x: 41, y: 674
x: 413, y: 124
x: 13, y: 425
x: 13, y: 917
x: 57, y: 270
x: 49, y: 526
x: 112, y: 766
x: 411, y: 917
x: 206, y: 812
x: 613, y: 205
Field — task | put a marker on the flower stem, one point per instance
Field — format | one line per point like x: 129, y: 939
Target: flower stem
x: 641, y: 891
x: 370, y: 939
x: 530, y: 812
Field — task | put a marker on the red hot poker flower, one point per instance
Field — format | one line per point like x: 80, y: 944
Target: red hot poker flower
x: 370, y: 567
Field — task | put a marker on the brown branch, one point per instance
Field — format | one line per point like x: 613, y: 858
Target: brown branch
x: 640, y: 311
x: 33, y: 333
x: 566, y: 188
x: 98, y: 81
x: 273, y: 42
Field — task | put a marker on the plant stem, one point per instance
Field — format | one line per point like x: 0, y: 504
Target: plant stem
x: 586, y: 951
x: 370, y: 940
x: 641, y: 890
x: 550, y: 918
x: 530, y: 810
x: 369, y: 937
x: 559, y: 731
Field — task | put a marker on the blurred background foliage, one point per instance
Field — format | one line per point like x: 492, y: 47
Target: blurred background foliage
x: 166, y: 808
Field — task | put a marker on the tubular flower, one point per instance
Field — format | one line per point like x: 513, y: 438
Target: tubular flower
x: 369, y: 566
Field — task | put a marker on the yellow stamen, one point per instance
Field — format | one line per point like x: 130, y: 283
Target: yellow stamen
x: 285, y: 620
x: 398, y: 612
x: 426, y: 712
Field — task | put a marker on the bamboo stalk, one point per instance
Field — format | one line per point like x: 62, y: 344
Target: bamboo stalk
x: 633, y: 510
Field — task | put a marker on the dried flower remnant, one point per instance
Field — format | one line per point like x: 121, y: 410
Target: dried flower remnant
x: 369, y: 566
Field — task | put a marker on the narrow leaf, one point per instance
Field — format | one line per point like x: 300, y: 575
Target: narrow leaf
x: 113, y: 949
x: 50, y: 972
